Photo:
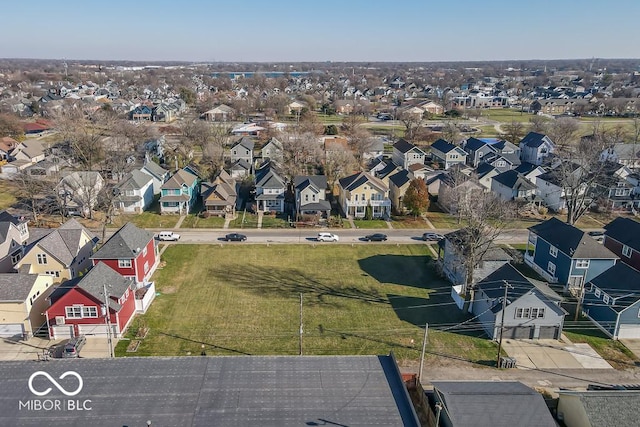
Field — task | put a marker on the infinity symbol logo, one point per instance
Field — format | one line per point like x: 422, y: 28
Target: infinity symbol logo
x: 55, y: 383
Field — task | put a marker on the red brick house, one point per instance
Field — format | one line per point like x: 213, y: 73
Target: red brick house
x: 78, y: 305
x: 132, y: 252
x: 622, y: 237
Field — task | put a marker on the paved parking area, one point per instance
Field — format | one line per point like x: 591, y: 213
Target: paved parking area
x: 35, y: 348
x: 552, y: 354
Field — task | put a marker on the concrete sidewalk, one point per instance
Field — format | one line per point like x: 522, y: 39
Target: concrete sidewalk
x: 553, y: 354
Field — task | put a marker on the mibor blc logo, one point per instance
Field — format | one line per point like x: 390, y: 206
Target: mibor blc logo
x: 55, y: 404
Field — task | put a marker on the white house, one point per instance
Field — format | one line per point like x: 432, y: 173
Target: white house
x: 135, y: 192
x: 535, y: 148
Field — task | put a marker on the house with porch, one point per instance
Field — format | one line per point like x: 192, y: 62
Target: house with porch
x: 562, y: 253
x: 270, y: 189
x: 130, y: 251
x: 134, y: 192
x: 622, y: 237
x: 310, y: 192
x: 79, y: 307
x: 447, y: 154
x: 79, y: 192
x: 360, y: 190
x: 179, y: 194
x: 219, y: 196
x: 530, y: 311
x: 23, y: 300
x: 221, y: 113
x: 242, y: 150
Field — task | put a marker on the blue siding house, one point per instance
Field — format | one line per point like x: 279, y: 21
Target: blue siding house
x: 562, y: 253
x: 612, y: 301
x: 179, y: 194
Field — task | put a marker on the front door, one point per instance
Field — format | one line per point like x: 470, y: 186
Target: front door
x: 575, y: 284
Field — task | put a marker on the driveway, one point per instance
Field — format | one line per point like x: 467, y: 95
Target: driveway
x: 552, y: 354
x: 36, y: 348
x: 633, y: 345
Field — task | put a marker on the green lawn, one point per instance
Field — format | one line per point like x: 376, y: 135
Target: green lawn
x: 245, y: 299
x: 146, y: 220
x: 403, y: 222
x: 269, y: 221
x: 506, y: 115
x: 442, y: 220
x: 244, y: 220
x: 196, y: 221
x: 370, y: 223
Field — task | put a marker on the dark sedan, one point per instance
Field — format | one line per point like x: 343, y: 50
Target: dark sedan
x: 235, y: 237
x: 377, y: 237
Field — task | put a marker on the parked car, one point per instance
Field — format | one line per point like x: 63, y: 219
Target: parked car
x: 168, y: 236
x: 235, y: 237
x: 432, y: 237
x: 327, y: 237
x: 73, y: 347
x: 376, y: 237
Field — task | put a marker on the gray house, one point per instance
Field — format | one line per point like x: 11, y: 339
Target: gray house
x: 242, y: 150
x: 535, y: 148
x: 530, y: 312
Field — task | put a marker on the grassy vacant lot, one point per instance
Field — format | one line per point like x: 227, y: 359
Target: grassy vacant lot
x: 506, y: 115
x: 7, y: 195
x: 244, y: 220
x: 409, y: 222
x: 245, y: 299
x: 370, y: 223
x: 196, y: 221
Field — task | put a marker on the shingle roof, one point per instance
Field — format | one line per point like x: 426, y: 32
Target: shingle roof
x: 533, y: 139
x: 245, y: 142
x: 474, y: 144
x: 400, y: 178
x: 525, y: 168
x: 155, y: 169
x: 16, y: 286
x: 620, y: 281
x: 63, y: 243
x: 514, y: 180
x: 354, y: 181
x: 609, y: 408
x: 570, y: 240
x: 319, y: 181
x: 181, y: 177
x: 102, y: 275
x: 625, y: 231
x: 495, y: 404
x: 403, y: 145
x: 443, y: 146
x: 134, y: 180
x: 125, y: 243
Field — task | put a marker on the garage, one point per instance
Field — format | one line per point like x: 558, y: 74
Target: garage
x: 518, y: 332
x: 629, y: 331
x: 549, y: 333
x: 91, y: 330
x: 11, y: 330
x: 61, y: 332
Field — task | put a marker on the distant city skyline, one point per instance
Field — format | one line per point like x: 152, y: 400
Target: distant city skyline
x: 331, y: 30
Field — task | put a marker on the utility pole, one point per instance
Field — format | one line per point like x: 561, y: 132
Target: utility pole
x: 580, y: 300
x: 504, y: 306
x: 301, y: 330
x: 106, y: 319
x: 424, y: 348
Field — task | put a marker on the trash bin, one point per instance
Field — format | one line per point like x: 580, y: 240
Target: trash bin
x: 507, y: 362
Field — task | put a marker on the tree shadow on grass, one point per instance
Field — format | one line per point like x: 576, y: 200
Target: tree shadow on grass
x: 407, y: 270
x: 206, y: 345
x: 291, y: 282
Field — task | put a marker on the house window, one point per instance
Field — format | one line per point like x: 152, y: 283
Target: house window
x: 606, y: 299
x: 124, y: 263
x: 534, y: 313
x: 597, y: 293
x: 306, y: 198
x: 74, y: 312
x: 540, y: 312
x: 519, y: 313
x: 52, y: 273
x: 15, y: 258
x: 553, y: 251
x: 526, y: 313
x: 144, y: 251
x: 500, y: 164
x: 146, y: 267
x: 582, y: 263
x: 619, y: 192
x: 551, y: 268
x: 627, y: 251
x: 89, y: 311
x: 42, y: 258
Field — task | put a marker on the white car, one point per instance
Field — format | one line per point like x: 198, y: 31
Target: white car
x: 327, y: 237
x: 168, y: 236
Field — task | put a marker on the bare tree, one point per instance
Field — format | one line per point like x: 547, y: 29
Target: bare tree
x: 563, y: 132
x: 339, y: 161
x: 411, y: 124
x: 538, y: 124
x: 301, y: 153
x: 83, y: 134
x: 451, y: 132
x: 514, y: 131
x: 31, y: 191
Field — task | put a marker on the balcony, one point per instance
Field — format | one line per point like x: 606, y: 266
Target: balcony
x: 383, y: 203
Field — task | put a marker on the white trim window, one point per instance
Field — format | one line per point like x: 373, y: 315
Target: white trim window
x: 551, y: 268
x: 605, y: 299
x: 553, y: 251
x: 597, y: 293
x: 540, y: 312
x: 582, y: 263
x: 124, y: 263
x: 90, y: 311
x: 42, y: 258
x: 519, y: 313
x: 627, y: 251
x: 73, y: 312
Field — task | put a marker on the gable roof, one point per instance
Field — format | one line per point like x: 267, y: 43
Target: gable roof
x: 244, y: 142
x: 358, y: 179
x: 16, y: 286
x: 608, y: 408
x: 303, y: 181
x: 625, y: 231
x: 570, y: 240
x: 514, y: 180
x: 63, y: 243
x: 444, y: 146
x: 474, y: 144
x: 496, y: 404
x: 534, y: 139
x: 525, y: 167
x: 134, y: 180
x: 180, y: 178
x: 400, y: 178
x: 155, y: 169
x: 403, y: 145
x: 102, y: 275
x: 621, y: 282
x: 125, y: 243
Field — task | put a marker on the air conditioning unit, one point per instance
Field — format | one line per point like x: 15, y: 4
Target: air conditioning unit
x: 59, y: 320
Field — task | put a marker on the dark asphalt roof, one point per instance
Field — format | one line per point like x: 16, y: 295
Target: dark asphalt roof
x: 570, y: 240
x: 512, y: 179
x: 625, y: 231
x: 620, y: 282
x: 474, y: 144
x: 443, y: 146
x: 533, y: 139
x: 125, y: 243
x: 403, y: 145
x: 302, y: 181
x: 525, y: 168
x: 400, y: 178
x: 102, y: 275
x: 237, y: 391
x: 493, y: 403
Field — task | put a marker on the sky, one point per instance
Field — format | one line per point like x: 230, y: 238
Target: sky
x: 327, y: 30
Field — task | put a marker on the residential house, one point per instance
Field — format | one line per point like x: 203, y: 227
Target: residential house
x: 447, y: 154
x: 476, y: 149
x: 30, y: 150
x: 398, y: 185
x: 22, y: 303
x: 432, y: 108
x: 595, y: 408
x: 63, y: 253
x: 272, y: 150
x: 141, y: 112
x: 374, y: 149
x: 241, y: 169
x: 406, y: 154
x: 158, y: 174
x: 79, y: 192
x: 535, y: 148
x: 132, y: 252
x: 296, y: 107
x: 617, y: 188
x: 77, y: 305
x: 179, y: 194
x: 453, y: 254
x: 247, y: 129
x: 530, y: 311
x: 625, y: 154
x: 134, y: 193
x: 243, y: 150
x: 310, y: 191
x: 419, y: 171
x: 551, y: 185
x: 511, y: 185
x: 622, y: 237
x: 270, y: 189
x: 562, y: 253
x: 221, y: 113
x: 485, y: 173
x: 452, y: 191
x: 219, y: 196
x: 14, y: 234
x: 360, y: 190
x: 7, y: 145
x: 489, y: 403
x: 612, y: 301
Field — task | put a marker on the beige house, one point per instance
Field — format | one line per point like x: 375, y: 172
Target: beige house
x: 360, y: 190
x: 23, y: 300
x: 63, y: 254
